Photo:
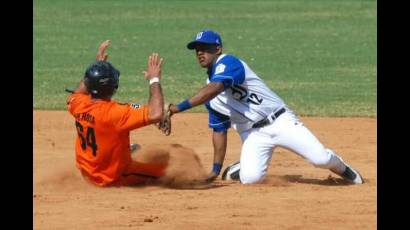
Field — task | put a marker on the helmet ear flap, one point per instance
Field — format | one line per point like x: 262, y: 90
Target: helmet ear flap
x: 91, y: 86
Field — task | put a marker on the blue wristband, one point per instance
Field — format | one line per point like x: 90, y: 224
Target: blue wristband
x: 184, y: 105
x: 216, y: 168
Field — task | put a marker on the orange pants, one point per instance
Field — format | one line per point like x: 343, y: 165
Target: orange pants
x: 138, y: 173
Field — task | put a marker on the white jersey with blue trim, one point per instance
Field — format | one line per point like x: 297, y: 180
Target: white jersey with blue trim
x: 246, y: 98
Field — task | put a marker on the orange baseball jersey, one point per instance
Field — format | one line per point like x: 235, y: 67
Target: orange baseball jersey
x: 103, y: 127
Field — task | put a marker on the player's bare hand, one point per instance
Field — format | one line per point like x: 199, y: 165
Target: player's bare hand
x: 173, y: 109
x: 153, y: 66
x: 211, y: 176
x: 101, y: 56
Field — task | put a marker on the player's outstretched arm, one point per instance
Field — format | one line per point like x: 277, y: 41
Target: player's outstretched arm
x: 156, y: 99
x: 101, y: 55
x: 219, y: 140
x: 205, y: 94
x: 81, y: 88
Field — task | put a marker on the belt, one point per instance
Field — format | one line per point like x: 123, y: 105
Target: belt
x: 267, y: 121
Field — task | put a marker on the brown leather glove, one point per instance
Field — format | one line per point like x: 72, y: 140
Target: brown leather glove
x: 165, y: 124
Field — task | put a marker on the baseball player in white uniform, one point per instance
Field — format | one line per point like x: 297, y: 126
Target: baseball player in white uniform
x: 236, y: 97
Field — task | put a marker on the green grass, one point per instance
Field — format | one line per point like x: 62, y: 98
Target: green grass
x: 319, y: 56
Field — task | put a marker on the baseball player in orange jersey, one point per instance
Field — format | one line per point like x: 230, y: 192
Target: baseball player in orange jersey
x: 102, y: 148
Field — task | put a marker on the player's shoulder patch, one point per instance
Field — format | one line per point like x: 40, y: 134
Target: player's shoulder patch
x: 135, y: 105
x: 228, y: 63
x: 220, y: 68
x: 132, y: 105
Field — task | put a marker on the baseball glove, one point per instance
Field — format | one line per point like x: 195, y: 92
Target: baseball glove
x: 165, y: 124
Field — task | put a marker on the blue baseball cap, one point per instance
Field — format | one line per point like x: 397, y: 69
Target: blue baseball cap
x: 207, y: 37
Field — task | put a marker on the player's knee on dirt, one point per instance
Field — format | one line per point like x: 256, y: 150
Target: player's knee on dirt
x: 251, y: 176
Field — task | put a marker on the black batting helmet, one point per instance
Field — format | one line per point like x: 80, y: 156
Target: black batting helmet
x: 101, y: 79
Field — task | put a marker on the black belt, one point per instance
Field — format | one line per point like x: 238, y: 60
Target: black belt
x: 266, y: 121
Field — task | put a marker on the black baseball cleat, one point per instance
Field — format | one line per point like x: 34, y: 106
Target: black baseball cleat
x: 134, y: 147
x: 232, y: 171
x: 352, y: 175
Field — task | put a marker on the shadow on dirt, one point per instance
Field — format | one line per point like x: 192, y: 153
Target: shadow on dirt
x: 330, y: 181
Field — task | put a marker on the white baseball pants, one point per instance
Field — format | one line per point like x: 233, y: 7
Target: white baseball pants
x: 286, y: 131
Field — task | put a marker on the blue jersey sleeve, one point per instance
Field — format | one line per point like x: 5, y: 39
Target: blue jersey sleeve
x: 229, y: 70
x: 217, y: 121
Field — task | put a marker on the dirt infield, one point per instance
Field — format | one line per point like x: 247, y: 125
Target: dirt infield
x: 295, y: 194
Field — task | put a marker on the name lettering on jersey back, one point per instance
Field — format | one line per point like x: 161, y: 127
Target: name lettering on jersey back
x: 219, y: 68
x: 85, y: 117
